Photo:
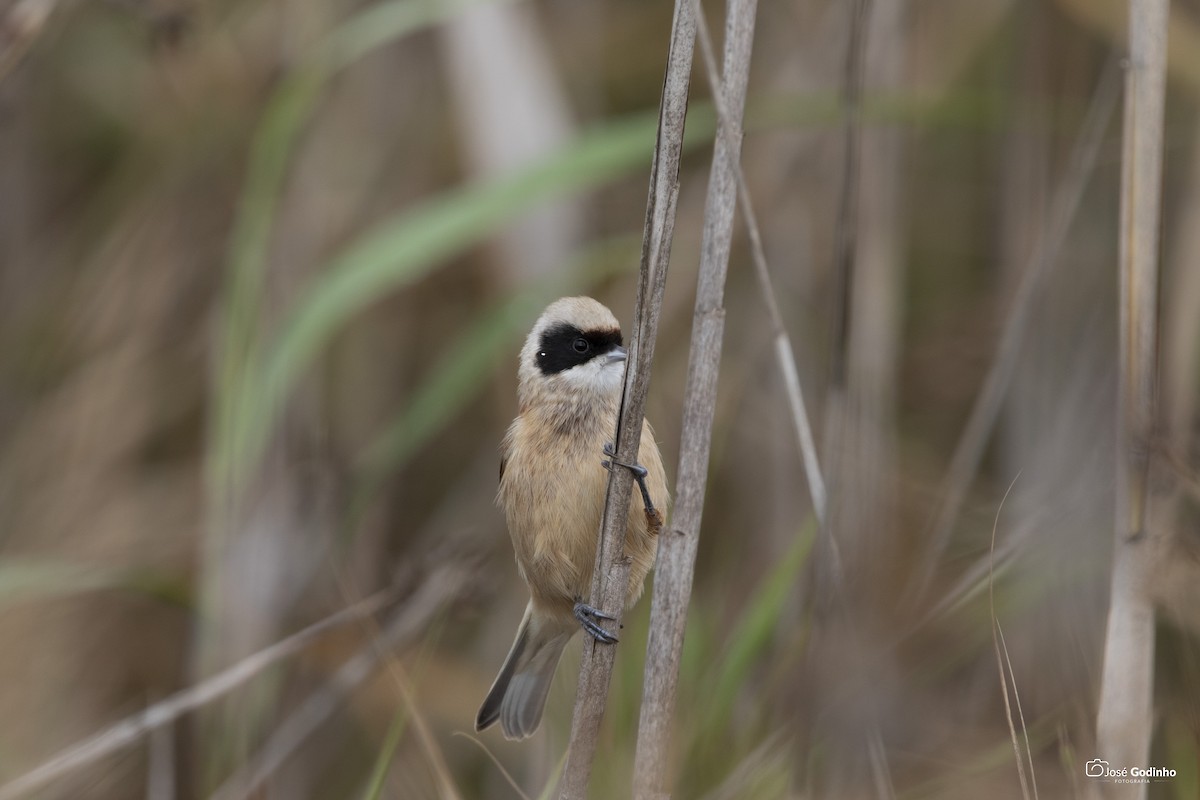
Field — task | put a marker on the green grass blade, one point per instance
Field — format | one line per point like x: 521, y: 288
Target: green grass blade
x: 22, y: 580
x: 383, y: 763
x: 287, y: 111
x: 246, y: 272
x: 382, y: 23
x: 753, y: 634
x: 29, y: 580
x: 552, y: 784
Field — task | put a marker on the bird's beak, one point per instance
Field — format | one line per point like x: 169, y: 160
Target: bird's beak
x: 618, y: 353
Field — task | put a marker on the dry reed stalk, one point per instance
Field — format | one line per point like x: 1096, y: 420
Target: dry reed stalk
x: 611, y: 575
x: 161, y: 772
x: 1124, y: 722
x: 130, y: 730
x: 785, y: 356
x: 442, y: 586
x: 678, y: 544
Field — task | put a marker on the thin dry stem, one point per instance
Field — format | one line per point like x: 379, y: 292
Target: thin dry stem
x: 610, y: 577
x: 1004, y: 665
x: 504, y: 773
x: 160, y: 774
x: 677, y: 547
x: 1124, y: 723
x: 786, y: 361
x: 436, y: 590
x: 785, y: 355
x: 130, y: 730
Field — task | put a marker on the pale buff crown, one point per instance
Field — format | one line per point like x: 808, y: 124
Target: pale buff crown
x: 582, y: 312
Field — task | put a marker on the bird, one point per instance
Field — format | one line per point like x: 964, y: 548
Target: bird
x: 553, y: 484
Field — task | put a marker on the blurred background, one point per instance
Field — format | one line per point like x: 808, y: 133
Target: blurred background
x: 265, y: 267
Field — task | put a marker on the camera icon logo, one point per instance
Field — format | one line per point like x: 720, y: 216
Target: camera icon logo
x: 1095, y: 768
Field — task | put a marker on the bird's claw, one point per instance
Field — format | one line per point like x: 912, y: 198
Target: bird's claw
x: 639, y: 474
x: 587, y: 616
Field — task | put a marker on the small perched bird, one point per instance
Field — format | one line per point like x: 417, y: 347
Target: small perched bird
x: 552, y: 488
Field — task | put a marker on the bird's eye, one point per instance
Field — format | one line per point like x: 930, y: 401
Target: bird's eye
x: 581, y: 345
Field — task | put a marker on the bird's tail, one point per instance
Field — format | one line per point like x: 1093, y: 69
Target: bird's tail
x: 518, y: 695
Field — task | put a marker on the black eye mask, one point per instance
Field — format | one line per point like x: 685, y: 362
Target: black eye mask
x: 564, y: 346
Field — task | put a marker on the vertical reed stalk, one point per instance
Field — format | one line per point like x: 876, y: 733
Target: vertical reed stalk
x: 611, y: 574
x: 678, y: 545
x: 1125, y: 720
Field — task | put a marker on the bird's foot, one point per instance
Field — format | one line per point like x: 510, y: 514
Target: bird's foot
x: 639, y: 475
x: 588, y: 617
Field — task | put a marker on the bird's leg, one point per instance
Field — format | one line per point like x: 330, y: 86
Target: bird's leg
x: 587, y: 617
x: 639, y: 474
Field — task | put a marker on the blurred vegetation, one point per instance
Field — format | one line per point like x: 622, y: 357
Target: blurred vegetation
x: 261, y: 294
